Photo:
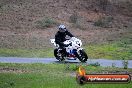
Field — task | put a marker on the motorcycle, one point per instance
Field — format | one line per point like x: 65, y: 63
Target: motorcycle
x: 74, y: 50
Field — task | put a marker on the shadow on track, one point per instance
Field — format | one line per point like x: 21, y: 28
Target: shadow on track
x: 68, y: 62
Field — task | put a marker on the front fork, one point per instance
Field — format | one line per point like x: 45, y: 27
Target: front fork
x: 78, y: 50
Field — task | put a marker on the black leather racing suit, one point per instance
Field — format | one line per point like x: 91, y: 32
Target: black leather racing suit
x: 60, y: 37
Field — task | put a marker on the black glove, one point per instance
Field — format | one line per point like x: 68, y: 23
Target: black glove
x: 66, y: 45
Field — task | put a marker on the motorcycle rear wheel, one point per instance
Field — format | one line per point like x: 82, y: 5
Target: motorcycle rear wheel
x: 58, y: 56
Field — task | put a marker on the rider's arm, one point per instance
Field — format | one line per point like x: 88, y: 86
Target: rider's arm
x: 69, y: 34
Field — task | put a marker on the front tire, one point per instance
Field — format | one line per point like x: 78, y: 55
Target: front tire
x: 82, y: 56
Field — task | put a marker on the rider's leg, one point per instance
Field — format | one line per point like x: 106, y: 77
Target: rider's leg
x: 63, y: 50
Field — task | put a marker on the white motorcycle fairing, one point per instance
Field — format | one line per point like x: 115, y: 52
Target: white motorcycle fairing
x: 71, y: 49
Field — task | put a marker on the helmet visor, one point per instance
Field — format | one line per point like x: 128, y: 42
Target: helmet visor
x: 62, y: 29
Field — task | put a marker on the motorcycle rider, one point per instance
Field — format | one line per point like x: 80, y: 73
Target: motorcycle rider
x: 60, y: 37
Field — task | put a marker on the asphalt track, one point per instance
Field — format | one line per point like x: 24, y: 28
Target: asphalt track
x: 102, y: 62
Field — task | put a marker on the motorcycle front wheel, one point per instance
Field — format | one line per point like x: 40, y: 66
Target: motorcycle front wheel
x: 82, y: 56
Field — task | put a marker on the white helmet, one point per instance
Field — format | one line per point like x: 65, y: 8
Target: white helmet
x: 62, y: 28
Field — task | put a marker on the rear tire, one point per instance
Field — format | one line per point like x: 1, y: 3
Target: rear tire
x: 58, y: 56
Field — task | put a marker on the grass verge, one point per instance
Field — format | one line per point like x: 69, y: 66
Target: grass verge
x: 48, y: 76
x: 117, y: 50
x: 4, y: 52
x: 121, y: 50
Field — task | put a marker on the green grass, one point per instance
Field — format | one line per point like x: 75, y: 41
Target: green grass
x: 109, y: 51
x: 4, y: 52
x: 47, y: 76
x: 116, y: 50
